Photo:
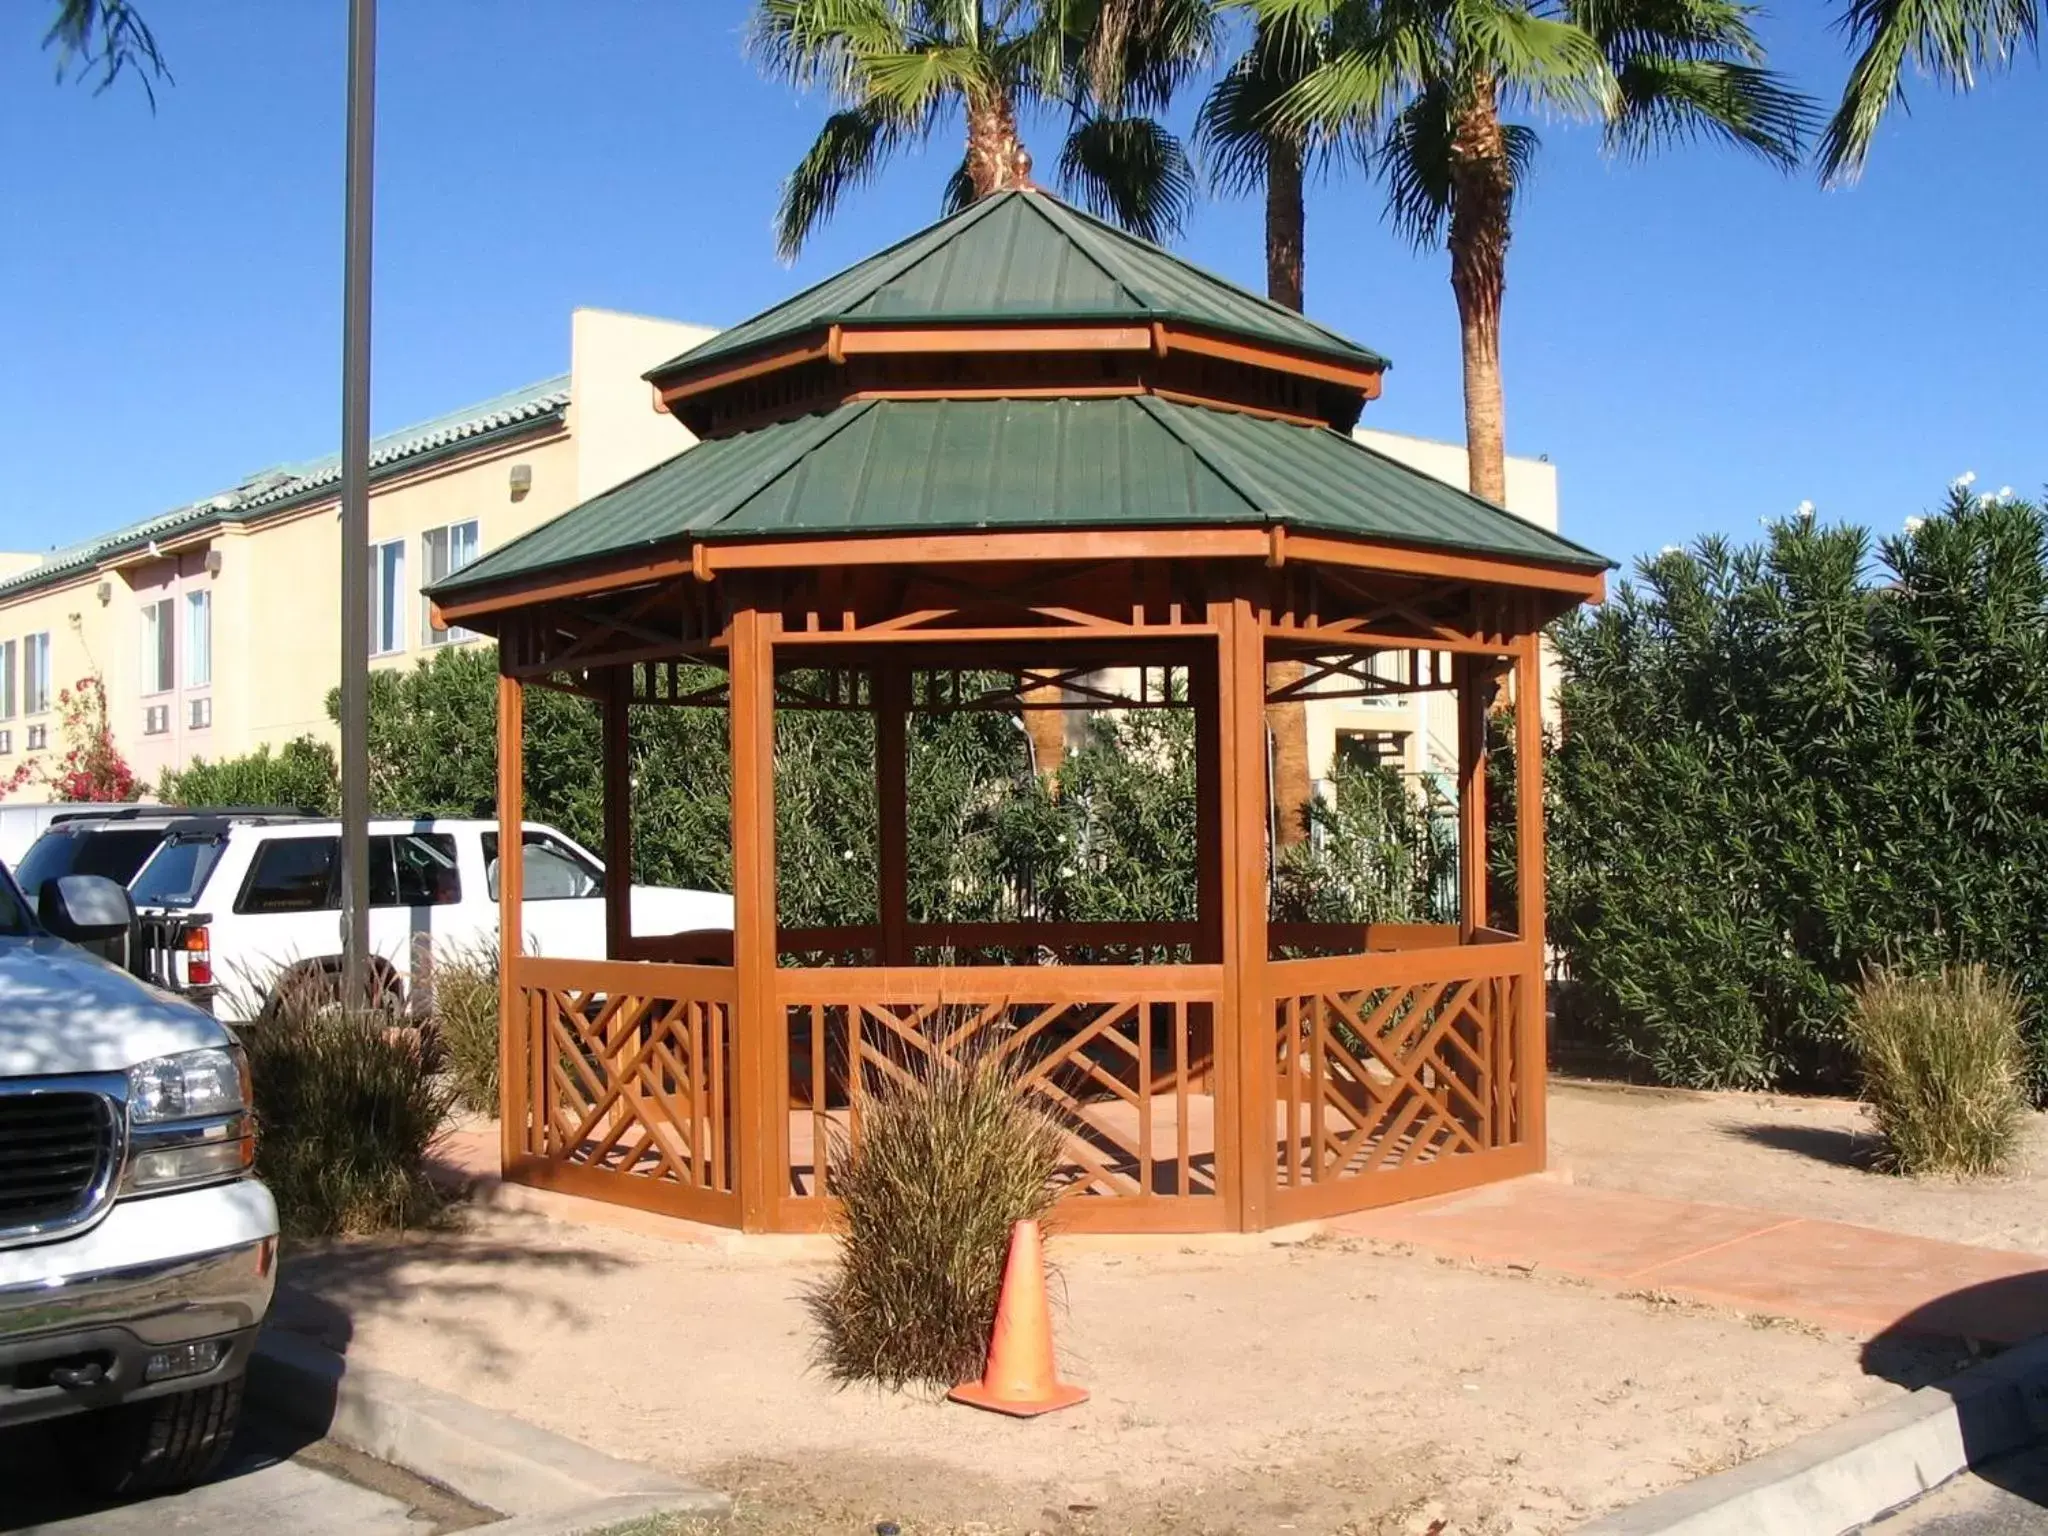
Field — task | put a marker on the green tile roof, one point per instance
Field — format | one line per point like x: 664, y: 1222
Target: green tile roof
x: 275, y: 490
x: 1025, y: 255
x: 916, y: 466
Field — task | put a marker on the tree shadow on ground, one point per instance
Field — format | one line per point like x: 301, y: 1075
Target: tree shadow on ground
x: 1993, y: 1334
x: 1823, y: 1143
x: 323, y: 1288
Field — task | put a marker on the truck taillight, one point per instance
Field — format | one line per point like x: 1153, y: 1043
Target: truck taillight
x: 198, y: 946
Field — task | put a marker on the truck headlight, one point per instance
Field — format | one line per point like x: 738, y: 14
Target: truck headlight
x: 188, y: 1121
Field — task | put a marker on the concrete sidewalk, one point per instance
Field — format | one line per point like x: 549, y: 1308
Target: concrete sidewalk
x: 1857, y: 1279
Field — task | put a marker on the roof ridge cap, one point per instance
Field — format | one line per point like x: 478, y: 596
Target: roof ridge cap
x: 1230, y: 470
x: 1046, y: 205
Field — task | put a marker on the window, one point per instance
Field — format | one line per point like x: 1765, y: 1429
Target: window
x: 7, y: 700
x: 6, y: 741
x: 159, y: 646
x: 38, y: 737
x: 176, y: 876
x: 414, y: 869
x: 291, y: 874
x: 198, y: 714
x: 446, y: 550
x: 549, y: 871
x: 198, y: 639
x: 116, y: 852
x: 156, y: 720
x: 35, y: 675
x: 387, y: 597
x: 1367, y: 750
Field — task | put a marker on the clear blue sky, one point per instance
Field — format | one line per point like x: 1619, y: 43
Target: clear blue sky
x: 1697, y: 341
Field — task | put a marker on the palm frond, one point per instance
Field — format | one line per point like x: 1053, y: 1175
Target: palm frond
x: 1951, y: 40
x: 1232, y: 129
x: 1415, y: 163
x: 1545, y: 61
x: 1666, y: 100
x: 822, y: 42
x: 108, y: 38
x: 1131, y: 171
x: 848, y: 152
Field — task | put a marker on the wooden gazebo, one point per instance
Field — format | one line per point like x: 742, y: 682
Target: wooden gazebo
x: 1024, y: 446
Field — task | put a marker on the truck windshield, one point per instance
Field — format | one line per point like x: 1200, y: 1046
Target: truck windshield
x: 116, y: 852
x: 177, y: 874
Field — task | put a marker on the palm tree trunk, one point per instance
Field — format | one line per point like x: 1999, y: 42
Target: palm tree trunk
x: 1285, y: 223
x: 1481, y: 201
x: 1047, y: 729
x: 996, y: 157
x: 1286, y: 220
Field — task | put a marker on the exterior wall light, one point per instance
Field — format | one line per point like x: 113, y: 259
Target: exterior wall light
x: 521, y: 481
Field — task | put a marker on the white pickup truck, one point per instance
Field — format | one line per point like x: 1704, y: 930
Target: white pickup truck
x: 234, y: 904
x: 137, y: 1253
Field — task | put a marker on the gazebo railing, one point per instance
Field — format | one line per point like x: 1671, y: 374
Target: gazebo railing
x: 1114, y: 1055
x: 623, y: 1070
x: 1400, y: 1074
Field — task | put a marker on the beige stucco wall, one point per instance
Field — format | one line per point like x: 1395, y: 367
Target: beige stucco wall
x: 618, y: 431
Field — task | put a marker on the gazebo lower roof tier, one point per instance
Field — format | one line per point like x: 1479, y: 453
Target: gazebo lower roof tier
x: 909, y: 467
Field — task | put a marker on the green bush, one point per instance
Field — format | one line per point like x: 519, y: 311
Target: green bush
x: 464, y: 1015
x: 1943, y: 1068
x: 301, y: 775
x: 347, y: 1109
x: 947, y: 1162
x: 1779, y: 765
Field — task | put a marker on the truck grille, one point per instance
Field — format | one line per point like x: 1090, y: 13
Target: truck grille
x: 56, y: 1156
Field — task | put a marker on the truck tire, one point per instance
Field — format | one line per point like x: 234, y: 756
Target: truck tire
x: 157, y: 1444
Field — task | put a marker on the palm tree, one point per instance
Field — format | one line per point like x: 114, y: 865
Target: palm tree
x: 105, y: 37
x: 1953, y: 40
x: 899, y: 71
x: 1430, y: 81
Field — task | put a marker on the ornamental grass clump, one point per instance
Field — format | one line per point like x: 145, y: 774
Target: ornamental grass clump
x: 348, y: 1108
x: 948, y: 1160
x: 465, y: 1019
x: 1944, y: 1069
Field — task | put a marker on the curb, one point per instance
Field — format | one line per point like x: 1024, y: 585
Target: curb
x: 1839, y: 1478
x: 543, y: 1481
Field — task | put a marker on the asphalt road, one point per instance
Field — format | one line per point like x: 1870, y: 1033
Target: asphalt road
x: 271, y: 1485
x: 2006, y: 1498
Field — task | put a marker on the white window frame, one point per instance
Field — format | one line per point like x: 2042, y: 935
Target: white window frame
x: 35, y: 673
x: 198, y: 610
x: 159, y: 660
x: 431, y: 572
x: 390, y: 553
x: 9, y: 696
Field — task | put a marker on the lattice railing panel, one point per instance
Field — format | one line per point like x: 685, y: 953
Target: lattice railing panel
x: 1377, y: 1079
x: 628, y: 1083
x: 1121, y: 1076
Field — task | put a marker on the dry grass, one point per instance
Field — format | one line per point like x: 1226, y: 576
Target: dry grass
x: 465, y: 1019
x: 1943, y: 1069
x: 947, y: 1162
x: 347, y: 1108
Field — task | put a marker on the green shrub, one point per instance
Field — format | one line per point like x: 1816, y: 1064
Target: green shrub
x: 465, y: 1019
x: 1943, y: 1069
x: 1782, y: 763
x: 947, y: 1162
x: 300, y: 775
x: 347, y: 1110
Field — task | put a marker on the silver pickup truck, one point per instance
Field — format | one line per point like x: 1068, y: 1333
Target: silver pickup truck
x: 137, y: 1252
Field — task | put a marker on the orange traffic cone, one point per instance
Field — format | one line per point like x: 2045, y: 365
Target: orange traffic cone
x: 1019, y: 1379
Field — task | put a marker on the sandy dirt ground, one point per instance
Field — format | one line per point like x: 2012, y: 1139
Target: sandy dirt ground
x: 1326, y: 1388
x: 1805, y: 1157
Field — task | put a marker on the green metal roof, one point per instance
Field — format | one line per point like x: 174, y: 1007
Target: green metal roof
x: 929, y: 466
x: 276, y: 490
x: 1025, y: 255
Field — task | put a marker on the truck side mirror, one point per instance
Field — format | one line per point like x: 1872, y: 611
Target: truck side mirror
x: 83, y: 908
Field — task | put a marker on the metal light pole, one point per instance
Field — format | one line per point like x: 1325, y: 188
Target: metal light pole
x: 355, y: 506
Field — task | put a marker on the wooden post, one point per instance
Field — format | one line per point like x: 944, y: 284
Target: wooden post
x: 618, y: 812
x: 513, y: 1110
x: 1205, y: 694
x: 1246, y: 1049
x: 759, y: 1029
x: 1473, y: 678
x: 1534, y: 1061
x: 890, y: 681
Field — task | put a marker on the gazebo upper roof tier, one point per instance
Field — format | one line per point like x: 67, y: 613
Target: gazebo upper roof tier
x: 909, y: 467
x: 1022, y: 292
